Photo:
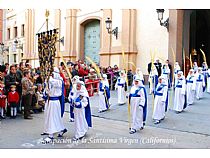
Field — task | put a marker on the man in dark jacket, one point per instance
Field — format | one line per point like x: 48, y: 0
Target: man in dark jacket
x: 13, y: 78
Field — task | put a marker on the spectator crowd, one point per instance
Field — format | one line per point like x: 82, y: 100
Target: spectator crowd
x: 21, y: 86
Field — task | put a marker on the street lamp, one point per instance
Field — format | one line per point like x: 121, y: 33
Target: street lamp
x: 18, y: 44
x: 160, y: 18
x: 109, y: 27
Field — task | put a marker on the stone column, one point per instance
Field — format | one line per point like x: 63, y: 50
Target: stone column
x: 175, y: 35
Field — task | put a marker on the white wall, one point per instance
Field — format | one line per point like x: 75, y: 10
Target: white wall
x: 117, y: 22
x: 150, y: 36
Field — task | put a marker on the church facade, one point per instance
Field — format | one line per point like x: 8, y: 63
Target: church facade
x: 83, y: 33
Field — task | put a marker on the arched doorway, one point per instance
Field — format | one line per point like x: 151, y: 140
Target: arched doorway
x: 92, y: 39
x: 199, y: 35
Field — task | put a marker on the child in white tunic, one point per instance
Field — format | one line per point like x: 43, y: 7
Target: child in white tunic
x: 179, y: 97
x: 138, y: 74
x: 104, y: 94
x: 176, y: 70
x: 71, y: 97
x: 137, y: 101
x: 208, y: 81
x: 82, y: 112
x: 53, y: 119
x: 165, y: 73
x: 191, y: 84
x: 200, y: 84
x: 161, y: 93
x: 120, y: 86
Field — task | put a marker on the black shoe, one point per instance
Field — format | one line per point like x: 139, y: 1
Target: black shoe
x: 156, y: 122
x: 63, y: 131
x: 141, y: 128
x: 162, y: 118
x: 44, y: 134
x: 28, y: 118
x: 2, y: 117
x: 132, y: 131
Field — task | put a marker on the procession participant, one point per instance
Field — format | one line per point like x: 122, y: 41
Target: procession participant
x: 208, y: 81
x: 138, y: 101
x: 104, y: 94
x: 166, y: 74
x: 82, y: 112
x: 153, y: 79
x: 139, y: 74
x: 176, y: 70
x: 195, y: 67
x: 121, y: 87
x: 160, y: 103
x: 53, y: 107
x: 205, y: 72
x: 71, y: 96
x: 13, y: 100
x: 2, y: 99
x: 191, y: 84
x: 179, y: 97
x: 200, y: 84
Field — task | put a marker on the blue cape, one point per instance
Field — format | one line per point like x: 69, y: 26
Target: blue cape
x: 62, y: 100
x: 88, y: 114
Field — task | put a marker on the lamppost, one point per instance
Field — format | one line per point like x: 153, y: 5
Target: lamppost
x: 18, y: 44
x: 109, y: 27
x: 160, y: 18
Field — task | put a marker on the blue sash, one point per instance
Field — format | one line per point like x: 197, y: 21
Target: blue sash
x: 188, y: 81
x: 54, y: 98
x: 178, y: 86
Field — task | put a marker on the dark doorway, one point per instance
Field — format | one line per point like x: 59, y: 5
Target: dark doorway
x: 199, y: 35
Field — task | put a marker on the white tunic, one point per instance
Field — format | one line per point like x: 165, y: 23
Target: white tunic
x: 120, y: 86
x: 208, y: 81
x: 176, y: 70
x: 137, y: 103
x: 103, y: 100
x: 53, y: 120
x: 179, y: 97
x: 165, y: 74
x: 191, y: 84
x: 81, y: 126
x: 160, y: 102
x: 200, y: 83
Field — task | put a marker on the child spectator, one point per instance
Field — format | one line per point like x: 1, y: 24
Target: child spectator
x: 2, y: 100
x: 13, y: 100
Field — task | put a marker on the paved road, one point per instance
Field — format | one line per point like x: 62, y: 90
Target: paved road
x: 189, y: 129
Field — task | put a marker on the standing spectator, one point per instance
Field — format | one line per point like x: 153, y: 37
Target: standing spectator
x: 20, y: 74
x: 2, y: 100
x: 12, y: 79
x: 158, y: 66
x: 83, y: 71
x: 27, y: 92
x: 75, y: 70
x: 7, y: 68
x: 13, y: 100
